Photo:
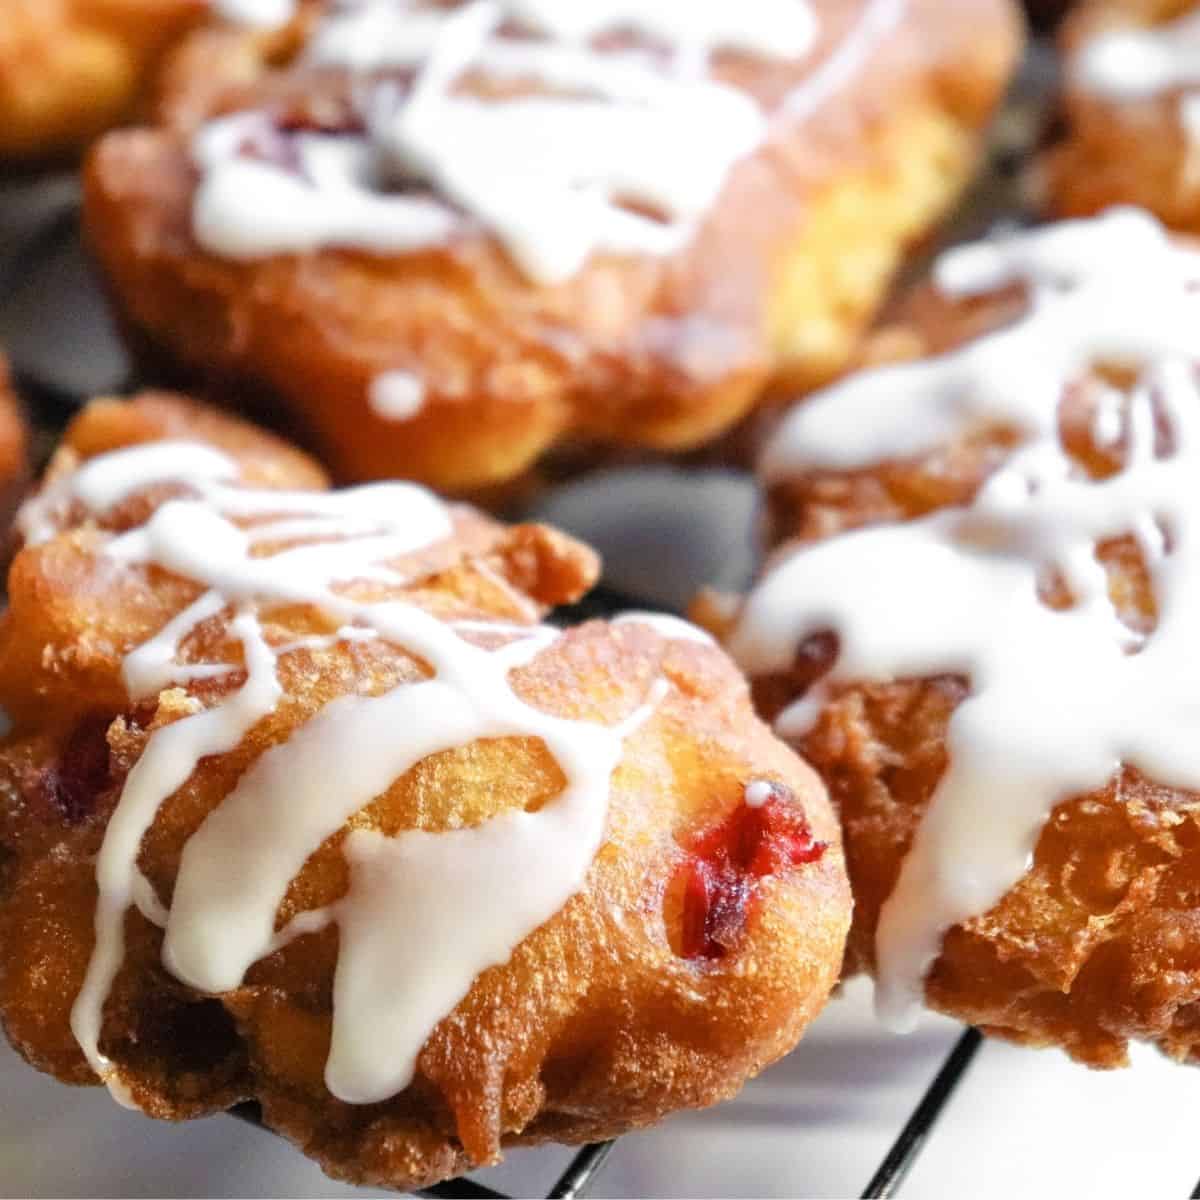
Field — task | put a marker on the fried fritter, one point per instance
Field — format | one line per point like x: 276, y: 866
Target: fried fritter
x: 644, y: 888
x: 1000, y: 697
x: 70, y: 69
x: 1130, y: 111
x: 449, y: 363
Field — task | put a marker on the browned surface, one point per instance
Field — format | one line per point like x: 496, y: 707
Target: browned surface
x: 662, y: 353
x: 69, y: 69
x: 594, y: 1026
x: 1100, y: 941
x: 1134, y: 152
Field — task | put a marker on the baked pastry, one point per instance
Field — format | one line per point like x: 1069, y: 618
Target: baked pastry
x: 1131, y: 111
x: 445, y: 238
x: 980, y: 628
x: 69, y: 69
x: 302, y: 803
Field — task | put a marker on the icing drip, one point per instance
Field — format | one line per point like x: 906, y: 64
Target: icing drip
x: 396, y: 395
x: 1129, y: 65
x: 1138, y: 64
x: 262, y: 14
x: 556, y: 176
x: 1058, y: 700
x: 377, y: 33
x: 1080, y: 310
x: 425, y: 913
x: 623, y: 151
x: 758, y: 792
x: 879, y: 18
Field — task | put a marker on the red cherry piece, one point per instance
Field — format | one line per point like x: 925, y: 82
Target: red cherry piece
x: 725, y: 861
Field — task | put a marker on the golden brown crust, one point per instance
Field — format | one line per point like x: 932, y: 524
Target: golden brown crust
x: 1097, y: 944
x: 662, y: 353
x: 596, y: 1024
x: 69, y: 69
x: 1122, y: 152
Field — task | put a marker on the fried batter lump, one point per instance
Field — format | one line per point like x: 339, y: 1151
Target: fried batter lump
x: 1131, y: 111
x: 443, y: 239
x: 69, y: 69
x: 303, y: 804
x: 979, y: 625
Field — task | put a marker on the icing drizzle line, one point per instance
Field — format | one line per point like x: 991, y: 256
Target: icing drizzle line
x: 1058, y: 700
x: 260, y: 14
x: 624, y: 151
x: 424, y: 913
x: 1131, y: 64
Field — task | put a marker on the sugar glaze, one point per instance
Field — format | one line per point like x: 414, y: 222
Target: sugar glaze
x: 396, y: 395
x: 425, y: 912
x: 621, y: 151
x: 261, y: 14
x: 1127, y: 65
x: 1058, y: 700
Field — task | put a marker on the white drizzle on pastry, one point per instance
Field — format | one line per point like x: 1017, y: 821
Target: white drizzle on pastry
x: 623, y: 150
x: 1127, y: 65
x: 396, y: 395
x: 1058, y: 700
x: 257, y: 14
x: 425, y: 912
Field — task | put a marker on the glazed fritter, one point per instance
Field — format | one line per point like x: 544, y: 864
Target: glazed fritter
x: 303, y: 804
x: 644, y: 298
x: 979, y: 626
x: 70, y: 69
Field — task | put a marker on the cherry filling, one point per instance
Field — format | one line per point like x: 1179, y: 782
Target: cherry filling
x: 724, y: 863
x: 74, y: 784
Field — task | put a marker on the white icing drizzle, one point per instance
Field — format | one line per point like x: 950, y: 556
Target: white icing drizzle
x: 260, y: 14
x: 396, y: 395
x: 103, y: 482
x: 1081, y: 310
x: 1058, y: 700
x: 1135, y: 64
x: 1140, y: 63
x: 425, y: 913
x: 879, y: 18
x: 379, y: 33
x: 757, y: 792
x: 626, y: 152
